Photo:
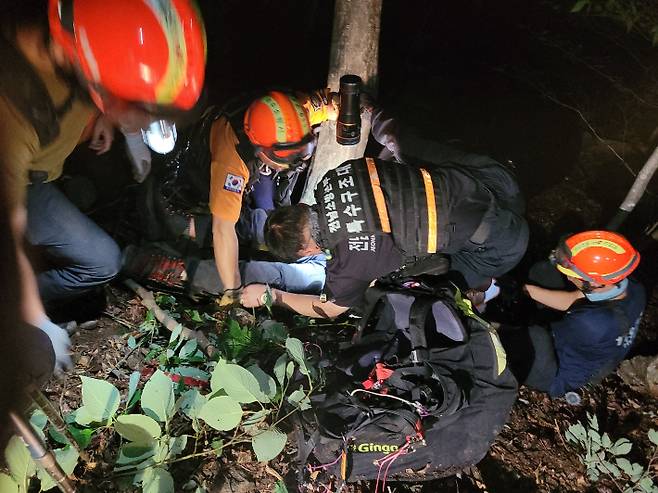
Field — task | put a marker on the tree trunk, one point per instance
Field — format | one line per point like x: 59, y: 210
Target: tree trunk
x: 635, y: 193
x: 354, y: 50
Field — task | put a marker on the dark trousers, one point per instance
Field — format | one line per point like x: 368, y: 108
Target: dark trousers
x: 530, y: 350
x: 80, y: 255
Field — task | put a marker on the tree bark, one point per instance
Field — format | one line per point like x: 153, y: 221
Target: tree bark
x: 354, y: 50
x: 635, y: 193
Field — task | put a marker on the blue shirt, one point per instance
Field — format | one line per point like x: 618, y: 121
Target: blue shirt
x: 593, y: 338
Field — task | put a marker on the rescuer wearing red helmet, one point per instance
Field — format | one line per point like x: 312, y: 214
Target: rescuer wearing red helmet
x: 135, y: 58
x: 601, y: 316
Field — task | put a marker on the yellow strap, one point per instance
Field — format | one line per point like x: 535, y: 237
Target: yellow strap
x: 380, y: 202
x: 431, y: 212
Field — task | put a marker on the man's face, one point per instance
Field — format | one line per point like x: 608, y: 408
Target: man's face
x: 310, y: 245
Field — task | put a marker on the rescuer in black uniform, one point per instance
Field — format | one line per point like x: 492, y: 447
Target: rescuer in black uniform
x: 374, y: 218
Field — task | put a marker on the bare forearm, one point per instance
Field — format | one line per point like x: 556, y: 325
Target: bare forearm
x: 558, y: 300
x: 225, y: 244
x: 307, y: 304
x: 31, y: 306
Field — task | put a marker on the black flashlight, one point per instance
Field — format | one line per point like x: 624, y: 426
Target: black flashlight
x: 348, y: 126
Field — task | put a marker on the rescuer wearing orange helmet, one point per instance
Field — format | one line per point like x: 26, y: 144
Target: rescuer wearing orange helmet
x: 240, y: 161
x: 136, y: 59
x: 601, y: 316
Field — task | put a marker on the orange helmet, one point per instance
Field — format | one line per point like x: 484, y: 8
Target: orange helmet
x: 147, y: 51
x: 600, y: 257
x: 278, y: 126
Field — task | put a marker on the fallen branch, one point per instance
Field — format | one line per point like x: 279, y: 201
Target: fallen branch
x: 41, y: 454
x: 148, y: 300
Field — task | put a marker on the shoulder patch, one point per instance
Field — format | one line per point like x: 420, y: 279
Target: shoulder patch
x: 234, y: 183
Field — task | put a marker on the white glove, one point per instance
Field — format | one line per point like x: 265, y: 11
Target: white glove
x: 139, y: 154
x: 61, y: 344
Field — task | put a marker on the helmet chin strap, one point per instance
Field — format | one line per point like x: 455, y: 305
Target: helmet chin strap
x: 618, y: 289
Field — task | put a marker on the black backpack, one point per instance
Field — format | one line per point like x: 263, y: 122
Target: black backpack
x: 421, y: 394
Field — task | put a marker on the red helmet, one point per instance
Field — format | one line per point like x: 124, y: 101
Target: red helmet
x: 278, y: 126
x: 147, y: 51
x: 600, y: 257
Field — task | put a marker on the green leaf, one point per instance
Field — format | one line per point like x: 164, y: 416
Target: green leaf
x: 595, y: 437
x: 238, y: 383
x: 621, y: 447
x: 132, y: 342
x: 625, y: 465
x: 280, y: 487
x: 194, y: 315
x: 7, y: 484
x: 280, y: 368
x: 137, y: 428
x: 576, y: 433
x: 273, y: 331
x: 38, y: 420
x: 158, y: 397
x: 593, y: 421
x: 653, y: 436
x: 82, y: 416
x: 67, y: 458
x: 580, y: 5
x: 191, y: 403
x: 191, y: 371
x: 299, y: 399
x: 188, y: 350
x: 266, y: 382
x: 175, y: 334
x: 20, y: 464
x: 133, y: 452
x: 605, y: 441
x: 132, y: 385
x: 221, y: 413
x: 637, y: 471
x: 646, y: 484
x: 81, y: 435
x: 296, y: 350
x: 57, y: 436
x: 237, y: 339
x: 176, y: 446
x: 290, y: 369
x: 256, y: 418
x: 609, y: 468
x: 268, y: 444
x: 158, y: 481
x: 100, y: 399
x: 252, y: 424
x: 218, y: 447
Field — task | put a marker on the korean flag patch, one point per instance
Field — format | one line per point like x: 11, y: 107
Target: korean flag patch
x: 234, y: 183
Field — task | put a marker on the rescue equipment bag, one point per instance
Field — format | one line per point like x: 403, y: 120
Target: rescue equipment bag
x: 421, y: 394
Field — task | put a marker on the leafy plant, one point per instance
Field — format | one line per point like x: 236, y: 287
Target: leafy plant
x: 190, y: 407
x: 603, y: 456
